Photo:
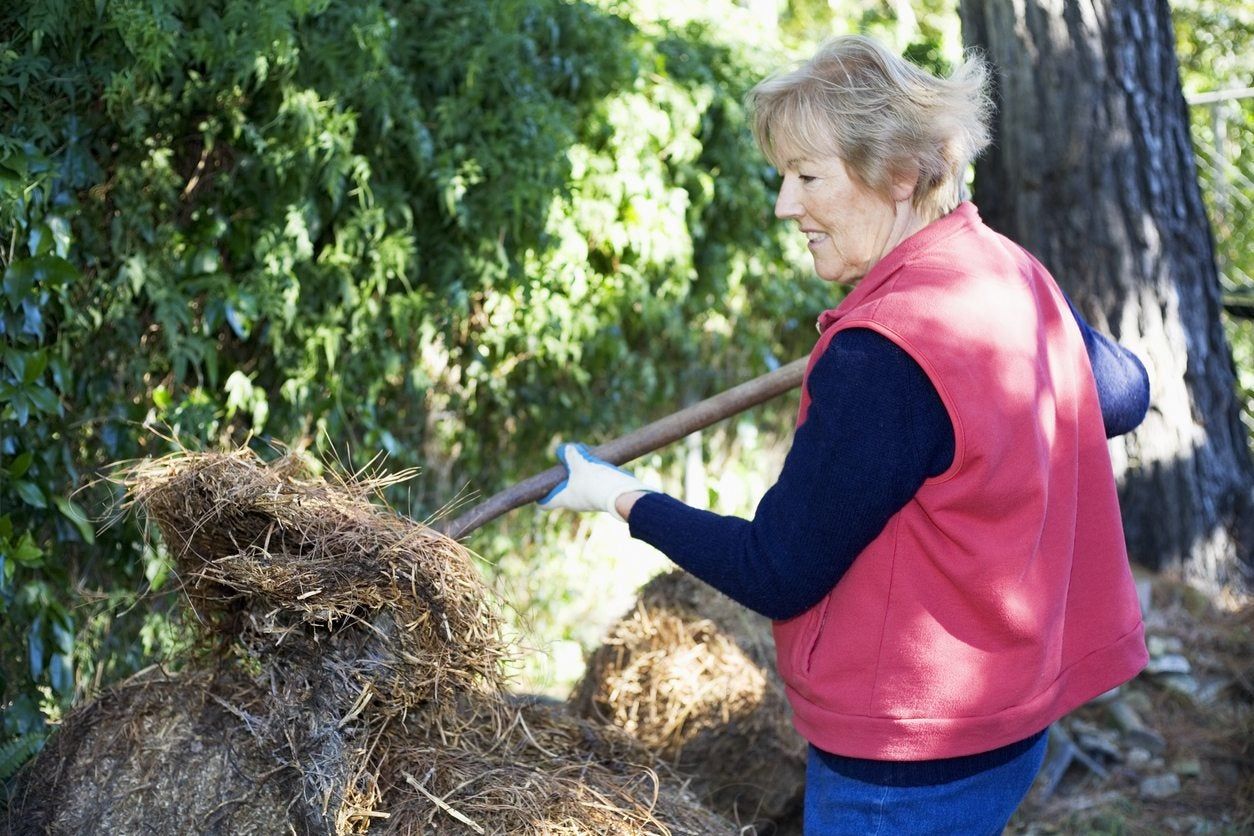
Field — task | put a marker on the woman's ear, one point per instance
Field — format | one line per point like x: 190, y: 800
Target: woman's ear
x: 904, y: 181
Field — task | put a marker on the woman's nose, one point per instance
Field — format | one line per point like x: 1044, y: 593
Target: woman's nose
x: 786, y: 203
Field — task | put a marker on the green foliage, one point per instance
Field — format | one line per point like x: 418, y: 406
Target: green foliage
x: 925, y: 31
x: 1215, y: 45
x: 15, y: 752
x: 446, y: 231
x: 38, y: 284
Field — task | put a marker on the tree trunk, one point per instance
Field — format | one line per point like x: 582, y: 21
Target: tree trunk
x: 1092, y: 170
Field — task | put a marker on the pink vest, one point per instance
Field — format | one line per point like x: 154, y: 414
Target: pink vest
x: 1000, y: 597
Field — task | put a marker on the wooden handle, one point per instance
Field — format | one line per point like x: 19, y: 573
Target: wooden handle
x: 648, y: 438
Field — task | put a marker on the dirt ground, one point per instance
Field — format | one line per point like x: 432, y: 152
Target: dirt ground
x: 1190, y: 769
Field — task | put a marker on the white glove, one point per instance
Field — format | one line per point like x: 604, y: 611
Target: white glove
x: 591, y: 484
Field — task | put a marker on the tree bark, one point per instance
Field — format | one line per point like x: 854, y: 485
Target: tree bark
x: 1092, y: 170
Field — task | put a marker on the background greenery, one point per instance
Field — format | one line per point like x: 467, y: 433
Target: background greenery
x: 448, y: 233
x: 1215, y: 43
x: 441, y: 232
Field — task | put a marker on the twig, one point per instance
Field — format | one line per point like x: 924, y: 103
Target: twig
x: 439, y: 802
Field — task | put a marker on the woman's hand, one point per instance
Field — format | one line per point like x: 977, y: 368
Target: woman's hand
x: 592, y: 484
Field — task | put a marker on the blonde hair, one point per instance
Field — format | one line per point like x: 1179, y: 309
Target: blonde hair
x: 880, y: 114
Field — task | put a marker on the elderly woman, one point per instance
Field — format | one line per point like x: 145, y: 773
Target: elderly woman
x: 942, y: 554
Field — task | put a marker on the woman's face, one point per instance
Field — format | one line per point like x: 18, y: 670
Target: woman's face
x: 849, y: 226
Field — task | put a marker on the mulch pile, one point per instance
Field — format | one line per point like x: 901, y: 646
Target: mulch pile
x: 355, y: 681
x: 690, y: 674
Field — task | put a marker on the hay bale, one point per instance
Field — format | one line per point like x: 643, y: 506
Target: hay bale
x: 158, y: 754
x: 690, y: 674
x: 372, y: 658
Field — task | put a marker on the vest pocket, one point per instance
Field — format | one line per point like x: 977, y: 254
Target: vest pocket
x: 816, y: 620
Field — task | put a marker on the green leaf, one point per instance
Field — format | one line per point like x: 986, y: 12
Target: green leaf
x: 75, y: 514
x: 156, y: 568
x: 16, y: 752
x: 32, y: 318
x: 35, y: 646
x: 16, y: 164
x: 45, y: 400
x: 10, y: 183
x: 40, y: 241
x: 63, y: 635
x: 22, y: 273
x: 36, y: 363
x: 21, y: 408
x: 17, y: 470
x: 211, y: 368
x: 31, y: 494
x: 61, y: 674
x: 239, y: 392
x: 27, y: 553
x: 19, y: 278
x: 55, y: 271
x: 15, y: 359
x: 60, y: 228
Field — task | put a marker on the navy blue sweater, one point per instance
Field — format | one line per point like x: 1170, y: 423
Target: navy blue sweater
x: 875, y: 431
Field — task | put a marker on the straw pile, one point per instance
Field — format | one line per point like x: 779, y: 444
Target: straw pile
x: 159, y: 754
x: 690, y: 674
x: 358, y: 681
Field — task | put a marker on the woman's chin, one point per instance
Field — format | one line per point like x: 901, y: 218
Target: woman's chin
x: 838, y: 278
x: 837, y: 273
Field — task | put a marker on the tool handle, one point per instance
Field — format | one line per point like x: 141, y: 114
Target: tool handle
x: 648, y: 438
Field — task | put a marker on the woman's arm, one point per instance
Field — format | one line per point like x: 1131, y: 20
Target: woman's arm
x: 875, y: 430
x: 1122, y: 382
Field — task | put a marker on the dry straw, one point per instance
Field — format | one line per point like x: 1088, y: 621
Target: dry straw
x: 690, y: 674
x: 358, y: 677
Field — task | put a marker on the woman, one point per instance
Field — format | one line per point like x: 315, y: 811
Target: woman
x: 942, y: 555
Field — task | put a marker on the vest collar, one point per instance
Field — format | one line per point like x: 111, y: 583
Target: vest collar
x: 964, y: 215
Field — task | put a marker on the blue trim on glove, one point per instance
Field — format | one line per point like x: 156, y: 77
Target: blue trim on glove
x: 588, y: 456
x: 561, y: 486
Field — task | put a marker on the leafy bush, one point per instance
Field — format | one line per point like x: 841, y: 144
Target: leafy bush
x: 445, y: 231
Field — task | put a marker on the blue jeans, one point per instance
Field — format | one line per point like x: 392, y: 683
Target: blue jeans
x: 968, y: 796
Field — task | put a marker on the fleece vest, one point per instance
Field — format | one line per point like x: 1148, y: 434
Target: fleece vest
x: 1000, y: 597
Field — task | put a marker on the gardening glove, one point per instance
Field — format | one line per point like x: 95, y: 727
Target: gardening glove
x: 591, y: 484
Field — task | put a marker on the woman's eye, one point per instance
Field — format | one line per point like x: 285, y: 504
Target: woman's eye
x: 805, y: 178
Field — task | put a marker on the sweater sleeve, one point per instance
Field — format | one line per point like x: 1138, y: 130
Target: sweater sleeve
x: 1122, y: 382
x: 875, y: 430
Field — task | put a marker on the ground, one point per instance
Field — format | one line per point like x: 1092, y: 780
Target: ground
x: 1191, y: 768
